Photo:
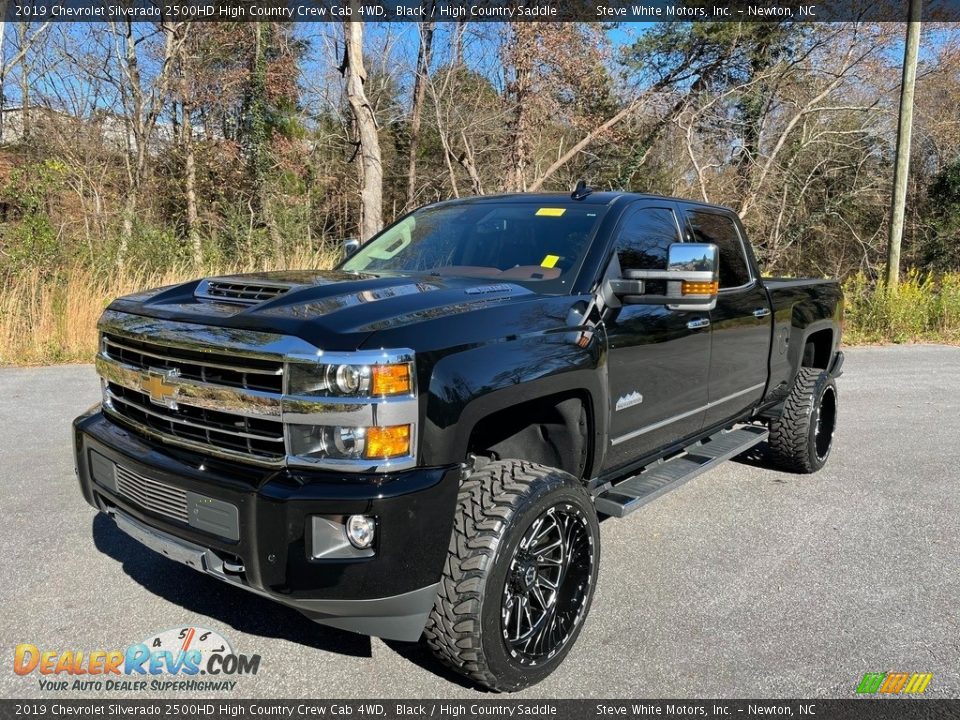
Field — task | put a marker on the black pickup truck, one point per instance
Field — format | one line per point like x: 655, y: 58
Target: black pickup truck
x: 421, y: 441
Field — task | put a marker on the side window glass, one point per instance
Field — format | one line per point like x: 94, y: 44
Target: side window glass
x: 720, y: 230
x: 644, y: 238
x: 643, y: 241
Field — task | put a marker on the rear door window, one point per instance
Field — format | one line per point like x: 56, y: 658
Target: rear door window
x: 711, y: 227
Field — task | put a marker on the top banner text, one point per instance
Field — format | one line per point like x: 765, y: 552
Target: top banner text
x: 473, y: 10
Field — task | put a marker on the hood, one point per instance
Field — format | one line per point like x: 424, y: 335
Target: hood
x: 333, y: 310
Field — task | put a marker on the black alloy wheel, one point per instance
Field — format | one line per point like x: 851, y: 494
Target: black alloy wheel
x: 826, y: 423
x: 544, y: 597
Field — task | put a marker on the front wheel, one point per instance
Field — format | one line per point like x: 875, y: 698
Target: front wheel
x: 802, y: 436
x: 519, y: 576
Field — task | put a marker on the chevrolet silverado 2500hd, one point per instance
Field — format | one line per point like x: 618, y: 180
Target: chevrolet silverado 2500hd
x: 420, y: 441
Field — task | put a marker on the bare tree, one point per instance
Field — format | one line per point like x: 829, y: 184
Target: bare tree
x: 521, y: 51
x: 143, y: 102
x: 26, y: 42
x: 579, y: 146
x: 371, y: 191
x: 185, y: 71
x: 419, y: 95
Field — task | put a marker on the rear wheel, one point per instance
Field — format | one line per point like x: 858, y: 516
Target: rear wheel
x: 802, y: 437
x: 519, y: 576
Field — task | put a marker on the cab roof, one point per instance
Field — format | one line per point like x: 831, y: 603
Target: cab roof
x: 597, y: 197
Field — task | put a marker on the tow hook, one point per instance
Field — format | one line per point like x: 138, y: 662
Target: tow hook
x: 233, y: 568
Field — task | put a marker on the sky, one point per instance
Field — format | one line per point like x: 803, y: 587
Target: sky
x: 394, y: 46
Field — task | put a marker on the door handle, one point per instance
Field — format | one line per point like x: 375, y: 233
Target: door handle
x: 698, y: 324
x: 761, y: 312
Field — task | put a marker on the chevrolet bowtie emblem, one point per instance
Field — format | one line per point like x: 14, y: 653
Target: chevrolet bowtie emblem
x: 157, y: 384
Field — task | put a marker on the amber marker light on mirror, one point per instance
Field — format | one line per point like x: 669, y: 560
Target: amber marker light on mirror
x: 387, y: 442
x: 700, y: 288
x: 391, y: 379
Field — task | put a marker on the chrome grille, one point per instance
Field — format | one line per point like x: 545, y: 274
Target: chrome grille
x: 241, y: 292
x: 152, y: 495
x: 249, y: 373
x: 258, y: 437
x: 223, y: 391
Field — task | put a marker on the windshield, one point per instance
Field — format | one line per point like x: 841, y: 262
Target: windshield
x: 516, y: 242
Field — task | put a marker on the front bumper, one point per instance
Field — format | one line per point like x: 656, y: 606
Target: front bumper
x: 273, y: 552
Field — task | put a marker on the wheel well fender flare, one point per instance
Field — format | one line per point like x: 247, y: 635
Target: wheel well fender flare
x: 450, y: 420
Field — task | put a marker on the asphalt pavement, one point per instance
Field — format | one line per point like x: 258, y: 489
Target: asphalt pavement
x: 744, y: 582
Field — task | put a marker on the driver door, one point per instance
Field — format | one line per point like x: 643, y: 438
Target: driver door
x: 658, y: 358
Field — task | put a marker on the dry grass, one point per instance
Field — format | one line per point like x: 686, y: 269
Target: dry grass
x: 53, y: 320
x: 925, y: 308
x: 44, y: 320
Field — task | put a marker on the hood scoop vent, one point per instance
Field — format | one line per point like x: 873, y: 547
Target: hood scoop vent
x: 238, y: 291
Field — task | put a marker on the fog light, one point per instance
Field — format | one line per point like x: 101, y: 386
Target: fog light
x: 360, y: 530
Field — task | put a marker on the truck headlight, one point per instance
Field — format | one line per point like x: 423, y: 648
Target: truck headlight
x: 349, y: 380
x: 350, y: 443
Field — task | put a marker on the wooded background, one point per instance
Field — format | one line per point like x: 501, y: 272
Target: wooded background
x: 200, y: 146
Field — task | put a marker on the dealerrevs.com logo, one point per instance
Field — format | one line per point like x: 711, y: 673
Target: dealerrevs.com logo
x: 170, y: 660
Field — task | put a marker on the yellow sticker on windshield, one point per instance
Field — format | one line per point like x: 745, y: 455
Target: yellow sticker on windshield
x: 551, y: 212
x: 550, y: 261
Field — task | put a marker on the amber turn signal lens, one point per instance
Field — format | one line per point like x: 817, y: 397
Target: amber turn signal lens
x: 390, y: 379
x: 387, y: 442
x: 700, y: 288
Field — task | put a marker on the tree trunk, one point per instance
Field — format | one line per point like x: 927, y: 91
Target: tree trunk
x: 136, y: 133
x: 190, y: 185
x: 185, y: 136
x: 24, y: 86
x: 371, y: 192
x: 469, y: 164
x: 416, y: 109
x: 458, y: 42
x: 258, y: 137
x: 521, y: 51
x: 140, y: 118
x: 126, y: 228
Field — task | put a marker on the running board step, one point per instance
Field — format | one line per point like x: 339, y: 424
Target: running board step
x: 626, y: 496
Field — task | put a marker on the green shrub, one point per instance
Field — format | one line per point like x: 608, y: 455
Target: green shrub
x: 30, y: 240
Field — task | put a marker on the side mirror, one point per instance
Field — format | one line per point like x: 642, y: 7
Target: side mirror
x: 691, y: 279
x: 350, y: 246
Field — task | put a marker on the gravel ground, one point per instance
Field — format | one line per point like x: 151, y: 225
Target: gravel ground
x: 743, y: 583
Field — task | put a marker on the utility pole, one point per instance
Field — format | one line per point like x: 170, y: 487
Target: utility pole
x: 3, y: 65
x: 904, y: 130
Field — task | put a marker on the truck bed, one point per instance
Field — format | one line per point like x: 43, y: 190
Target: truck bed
x: 801, y: 307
